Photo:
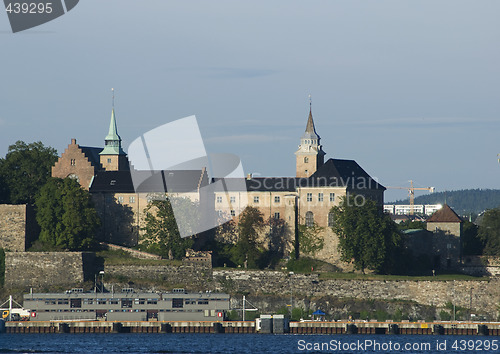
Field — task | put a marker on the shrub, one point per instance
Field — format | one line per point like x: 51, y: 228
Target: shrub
x: 444, y: 315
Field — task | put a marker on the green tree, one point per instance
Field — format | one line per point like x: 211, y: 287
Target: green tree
x: 471, y: 243
x: 310, y: 240
x: 66, y: 216
x: 161, y: 232
x: 278, y: 236
x: 489, y: 232
x: 247, y: 247
x: 367, y: 236
x: 410, y: 224
x: 25, y: 170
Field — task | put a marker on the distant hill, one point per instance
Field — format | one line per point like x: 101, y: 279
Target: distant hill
x: 463, y: 201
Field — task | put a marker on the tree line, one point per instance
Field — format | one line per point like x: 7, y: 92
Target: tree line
x: 464, y: 201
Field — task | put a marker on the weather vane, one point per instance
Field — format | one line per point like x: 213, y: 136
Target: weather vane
x: 113, y: 99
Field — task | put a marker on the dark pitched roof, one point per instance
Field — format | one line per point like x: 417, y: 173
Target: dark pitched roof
x: 112, y: 182
x: 260, y: 184
x: 334, y: 173
x: 178, y: 181
x: 344, y: 173
x: 445, y: 214
x: 92, y: 153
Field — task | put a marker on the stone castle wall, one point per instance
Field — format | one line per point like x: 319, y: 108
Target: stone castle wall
x: 485, y: 294
x: 190, y: 275
x: 18, y: 227
x: 39, y: 269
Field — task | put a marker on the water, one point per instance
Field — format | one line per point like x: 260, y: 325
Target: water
x: 242, y: 343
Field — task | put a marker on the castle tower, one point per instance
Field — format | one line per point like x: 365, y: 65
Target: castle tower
x: 112, y: 157
x: 310, y: 155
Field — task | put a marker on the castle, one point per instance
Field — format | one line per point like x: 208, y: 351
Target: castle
x: 305, y: 199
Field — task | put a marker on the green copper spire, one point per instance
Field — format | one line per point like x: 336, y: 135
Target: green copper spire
x: 112, y: 142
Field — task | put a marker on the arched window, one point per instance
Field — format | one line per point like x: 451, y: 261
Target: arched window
x: 331, y: 220
x: 75, y: 177
x: 309, y: 219
x: 306, y: 159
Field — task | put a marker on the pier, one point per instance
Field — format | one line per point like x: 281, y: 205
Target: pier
x: 309, y: 327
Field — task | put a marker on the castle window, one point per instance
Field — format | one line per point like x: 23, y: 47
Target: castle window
x: 73, y: 162
x: 256, y: 199
x: 332, y: 197
x: 309, y: 197
x: 306, y: 159
x: 233, y: 213
x: 232, y: 199
x: 120, y: 200
x: 131, y: 200
x: 75, y: 177
x: 306, y: 172
x: 320, y: 197
x: 276, y: 215
x: 277, y: 199
x: 309, y: 219
x: 219, y: 199
x: 331, y: 220
x: 109, y: 160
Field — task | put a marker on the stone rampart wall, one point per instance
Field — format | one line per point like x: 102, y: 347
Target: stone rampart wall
x: 194, y: 276
x: 40, y: 269
x: 17, y: 227
x: 485, y: 295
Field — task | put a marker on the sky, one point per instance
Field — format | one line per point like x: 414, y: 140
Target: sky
x: 409, y: 89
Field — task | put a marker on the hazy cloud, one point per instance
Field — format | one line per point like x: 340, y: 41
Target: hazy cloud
x: 420, y: 121
x: 238, y: 73
x: 245, y: 138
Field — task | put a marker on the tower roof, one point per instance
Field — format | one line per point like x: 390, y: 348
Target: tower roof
x: 445, y: 214
x: 310, y: 132
x: 113, y: 131
x: 112, y: 141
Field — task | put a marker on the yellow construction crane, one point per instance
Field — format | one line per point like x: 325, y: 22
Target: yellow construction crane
x: 411, y: 193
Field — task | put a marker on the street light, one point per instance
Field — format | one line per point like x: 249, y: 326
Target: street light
x: 454, y: 320
x: 101, y: 273
x: 291, y: 294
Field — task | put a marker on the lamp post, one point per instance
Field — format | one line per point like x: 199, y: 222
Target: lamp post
x: 470, y: 304
x: 291, y: 294
x: 101, y: 273
x: 453, y: 300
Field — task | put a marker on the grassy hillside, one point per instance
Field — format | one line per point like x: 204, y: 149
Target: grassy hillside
x: 463, y: 201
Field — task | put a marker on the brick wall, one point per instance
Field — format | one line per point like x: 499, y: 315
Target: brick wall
x: 73, y: 162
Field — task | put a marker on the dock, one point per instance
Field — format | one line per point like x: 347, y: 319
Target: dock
x: 308, y: 327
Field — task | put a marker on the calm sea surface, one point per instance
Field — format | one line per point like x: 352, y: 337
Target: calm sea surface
x: 242, y: 343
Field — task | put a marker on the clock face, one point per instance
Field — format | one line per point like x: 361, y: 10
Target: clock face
x: 75, y: 177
